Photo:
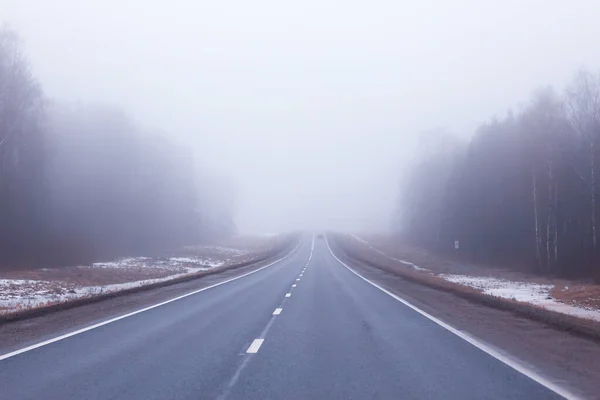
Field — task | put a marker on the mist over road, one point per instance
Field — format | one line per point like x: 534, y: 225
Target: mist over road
x: 303, y: 328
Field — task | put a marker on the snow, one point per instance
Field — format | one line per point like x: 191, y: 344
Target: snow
x: 183, y: 259
x: 126, y: 262
x: 173, y: 263
x: 231, y: 251
x: 414, y: 266
x: 19, y: 294
x: 16, y: 282
x: 526, y: 292
x: 198, y: 261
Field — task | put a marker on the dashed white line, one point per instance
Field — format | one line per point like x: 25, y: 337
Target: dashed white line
x: 258, y: 342
x: 294, y: 285
x: 288, y: 295
x: 301, y: 274
x: 255, y: 346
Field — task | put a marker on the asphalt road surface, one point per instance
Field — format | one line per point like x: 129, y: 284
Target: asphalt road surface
x: 304, y: 328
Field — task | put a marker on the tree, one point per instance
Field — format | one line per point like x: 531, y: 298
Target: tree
x: 523, y: 193
x: 583, y: 107
x: 21, y: 150
x: 78, y: 184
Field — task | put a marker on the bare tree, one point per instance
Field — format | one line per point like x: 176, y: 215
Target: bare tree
x: 583, y: 106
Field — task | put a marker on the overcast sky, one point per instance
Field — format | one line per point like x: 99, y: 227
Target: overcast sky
x: 311, y: 107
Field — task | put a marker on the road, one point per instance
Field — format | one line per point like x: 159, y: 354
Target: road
x: 304, y: 328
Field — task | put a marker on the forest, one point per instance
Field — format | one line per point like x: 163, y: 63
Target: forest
x: 521, y: 193
x: 85, y: 182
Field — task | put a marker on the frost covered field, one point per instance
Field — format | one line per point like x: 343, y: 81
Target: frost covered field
x: 21, y: 290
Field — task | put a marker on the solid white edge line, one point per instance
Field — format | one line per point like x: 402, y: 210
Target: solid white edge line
x: 288, y: 295
x: 255, y: 346
x: 89, y: 328
x: 277, y: 311
x: 517, y: 366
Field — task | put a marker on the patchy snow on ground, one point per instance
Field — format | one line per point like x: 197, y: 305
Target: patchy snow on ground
x: 122, y: 263
x: 189, y: 264
x: 526, y: 292
x: 415, y: 267
x: 231, y: 251
x: 16, y: 295
x: 20, y: 294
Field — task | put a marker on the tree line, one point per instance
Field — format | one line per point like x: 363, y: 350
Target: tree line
x: 79, y: 183
x: 523, y: 192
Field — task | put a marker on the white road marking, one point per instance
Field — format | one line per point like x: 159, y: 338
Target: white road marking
x: 255, y: 346
x: 263, y: 334
x: 294, y: 285
x: 89, y: 328
x: 301, y: 274
x: 297, y: 279
x: 288, y: 295
x: 514, y: 364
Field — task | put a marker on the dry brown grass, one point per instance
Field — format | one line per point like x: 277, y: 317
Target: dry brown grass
x: 578, y: 294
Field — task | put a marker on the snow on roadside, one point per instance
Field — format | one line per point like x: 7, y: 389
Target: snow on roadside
x: 532, y: 293
x: 19, y: 294
x: 231, y: 251
x: 22, y: 293
x: 199, y: 263
x: 415, y: 267
x: 31, y: 294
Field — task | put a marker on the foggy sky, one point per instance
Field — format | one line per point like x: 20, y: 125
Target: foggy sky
x: 311, y: 108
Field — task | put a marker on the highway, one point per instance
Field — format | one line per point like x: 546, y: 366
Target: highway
x: 306, y: 327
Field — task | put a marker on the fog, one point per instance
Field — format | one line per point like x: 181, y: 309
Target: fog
x: 308, y: 111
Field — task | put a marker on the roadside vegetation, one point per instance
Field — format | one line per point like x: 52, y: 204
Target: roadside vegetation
x: 523, y: 193
x: 81, y: 183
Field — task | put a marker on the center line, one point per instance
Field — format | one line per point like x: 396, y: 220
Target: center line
x: 277, y: 311
x: 294, y: 285
x: 288, y: 295
x: 297, y: 279
x: 255, y: 346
